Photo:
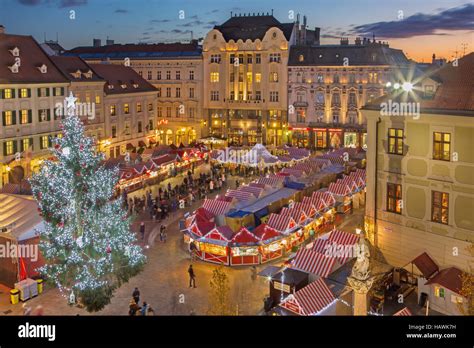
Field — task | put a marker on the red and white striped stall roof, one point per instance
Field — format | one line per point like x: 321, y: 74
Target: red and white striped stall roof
x: 349, y: 181
x: 311, y: 299
x: 327, y: 197
x: 405, y: 312
x: 256, y: 191
x: 201, y: 228
x: 265, y: 232
x: 216, y: 207
x: 321, y: 162
x: 297, y: 214
x: 273, y: 181
x: 360, y: 182
x: 320, y: 244
x: 254, y: 184
x: 339, y: 189
x: 307, y: 167
x: 297, y: 173
x: 281, y: 223
x: 335, y: 159
x: 343, y: 237
x: 308, y: 208
x: 240, y: 195
x: 310, y: 261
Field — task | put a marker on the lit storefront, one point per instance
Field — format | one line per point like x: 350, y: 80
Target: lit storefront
x: 320, y: 138
x: 300, y: 137
x: 335, y: 138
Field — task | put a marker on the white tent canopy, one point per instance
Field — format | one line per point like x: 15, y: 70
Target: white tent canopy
x: 19, y: 216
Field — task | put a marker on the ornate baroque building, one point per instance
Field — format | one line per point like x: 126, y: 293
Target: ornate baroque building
x: 327, y: 85
x: 245, y: 77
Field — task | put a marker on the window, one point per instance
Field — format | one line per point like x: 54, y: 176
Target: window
x: 149, y: 75
x: 191, y: 92
x: 126, y: 130
x: 456, y: 299
x: 335, y: 116
x: 214, y: 95
x: 352, y: 99
x: 258, y: 58
x: 25, y: 116
x: 159, y: 111
x: 150, y: 106
x: 191, y: 75
x: 97, y: 99
x: 44, y: 115
x: 441, y: 146
x: 139, y: 126
x: 249, y: 59
x: 439, y: 292
x: 113, y: 110
x: 114, y: 131
x: 168, y: 111
x: 168, y: 75
x: 232, y: 77
x: 140, y: 73
x: 320, y: 98
x: 440, y: 207
x: 249, y: 78
x: 300, y: 115
x: 395, y: 141
x: 274, y: 77
x: 177, y: 111
x: 394, y: 198
x: 26, y: 143
x: 373, y: 78
x: 215, y: 58
x: 139, y: 107
x: 336, y: 99
x: 44, y: 142
x: 214, y: 77
x: 8, y: 148
x: 126, y: 108
x: 8, y: 93
x: 258, y: 77
x: 335, y: 79
x: 352, y: 78
x: 9, y: 118
x: 178, y: 92
x: 274, y: 96
x: 320, y: 78
x: 158, y: 75
x: 191, y: 112
x: 178, y: 75
x: 428, y: 92
x: 150, y: 125
x: 25, y: 93
x: 58, y: 91
x: 275, y: 57
x: 232, y: 95
x: 43, y: 92
x: 168, y: 92
x: 159, y: 92
x: 88, y: 98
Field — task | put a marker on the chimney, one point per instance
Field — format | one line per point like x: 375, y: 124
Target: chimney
x: 2, y: 29
x: 96, y: 42
x: 317, y: 34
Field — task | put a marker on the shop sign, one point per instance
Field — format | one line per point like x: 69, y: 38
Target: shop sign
x: 281, y: 287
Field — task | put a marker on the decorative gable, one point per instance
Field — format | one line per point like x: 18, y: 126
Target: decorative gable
x: 14, y: 68
x: 15, y: 52
x: 43, y: 68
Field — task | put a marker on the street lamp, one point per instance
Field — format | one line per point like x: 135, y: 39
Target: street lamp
x: 358, y: 231
x: 407, y: 86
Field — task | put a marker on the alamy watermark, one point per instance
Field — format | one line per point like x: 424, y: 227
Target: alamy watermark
x: 344, y: 251
x: 25, y: 251
x: 392, y: 108
x: 240, y: 156
x: 82, y: 109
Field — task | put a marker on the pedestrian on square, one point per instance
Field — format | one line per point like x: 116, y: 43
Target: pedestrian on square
x: 211, y: 186
x: 136, y: 295
x: 150, y: 311
x: 26, y: 309
x: 144, y: 309
x: 192, y: 277
x: 142, y: 230
x: 133, y: 308
x: 237, y: 184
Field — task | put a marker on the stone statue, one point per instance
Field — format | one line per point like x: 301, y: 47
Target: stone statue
x: 361, y: 269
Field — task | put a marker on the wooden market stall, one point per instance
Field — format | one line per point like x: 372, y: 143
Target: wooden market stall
x: 244, y: 248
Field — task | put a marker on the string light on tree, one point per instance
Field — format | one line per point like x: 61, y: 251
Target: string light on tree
x: 87, y: 244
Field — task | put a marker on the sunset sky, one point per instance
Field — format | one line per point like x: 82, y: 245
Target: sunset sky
x: 420, y: 27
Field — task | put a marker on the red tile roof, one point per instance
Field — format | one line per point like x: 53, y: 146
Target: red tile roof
x: 120, y: 75
x: 71, y: 65
x: 449, y: 278
x: 32, y: 57
x: 426, y: 265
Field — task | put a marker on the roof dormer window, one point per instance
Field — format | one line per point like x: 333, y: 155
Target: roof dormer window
x: 76, y: 74
x: 123, y: 85
x: 110, y: 86
x: 15, y: 52
x: 43, y: 68
x: 14, y: 68
x: 135, y: 85
x: 88, y: 74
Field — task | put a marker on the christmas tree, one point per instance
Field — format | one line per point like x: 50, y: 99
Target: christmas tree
x: 88, y: 248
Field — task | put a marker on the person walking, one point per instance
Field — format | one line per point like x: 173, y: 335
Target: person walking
x: 142, y: 230
x: 136, y: 295
x: 192, y: 277
x: 133, y: 308
x: 144, y: 309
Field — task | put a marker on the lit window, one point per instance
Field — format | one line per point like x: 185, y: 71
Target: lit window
x: 8, y: 118
x: 24, y: 93
x: 9, y: 148
x: 439, y: 292
x: 214, y: 77
x: 395, y: 141
x: 139, y: 107
x: 7, y: 93
x: 44, y: 142
x: 126, y: 108
x: 440, y: 207
x: 97, y: 99
x: 24, y: 116
x: 258, y: 77
x: 394, y: 198
x: 274, y: 77
x: 113, y: 110
x: 441, y: 146
x: 249, y: 77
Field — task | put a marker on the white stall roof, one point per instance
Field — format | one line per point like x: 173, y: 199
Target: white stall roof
x: 19, y: 215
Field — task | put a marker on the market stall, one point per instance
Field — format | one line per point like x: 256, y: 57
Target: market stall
x: 343, y: 196
x: 244, y: 248
x: 214, y: 246
x: 271, y: 242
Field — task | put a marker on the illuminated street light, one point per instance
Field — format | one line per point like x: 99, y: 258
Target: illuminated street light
x: 396, y: 85
x: 407, y: 86
x: 388, y: 84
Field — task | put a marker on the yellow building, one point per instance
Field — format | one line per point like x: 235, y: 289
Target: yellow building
x: 420, y: 167
x: 245, y: 79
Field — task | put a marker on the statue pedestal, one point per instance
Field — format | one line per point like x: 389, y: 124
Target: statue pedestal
x: 361, y: 287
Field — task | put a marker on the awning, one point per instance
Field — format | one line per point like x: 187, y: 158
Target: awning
x: 281, y: 223
x: 426, y: 265
x: 403, y: 312
x: 311, y: 299
x: 311, y: 261
x: 216, y: 206
x: 269, y: 271
x: 240, y: 195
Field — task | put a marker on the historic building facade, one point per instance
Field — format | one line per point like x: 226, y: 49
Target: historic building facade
x: 327, y: 86
x: 30, y: 88
x: 176, y: 72
x: 420, y: 169
x: 245, y: 78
